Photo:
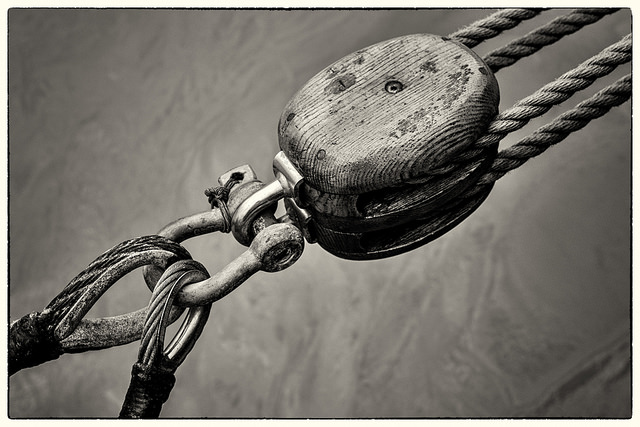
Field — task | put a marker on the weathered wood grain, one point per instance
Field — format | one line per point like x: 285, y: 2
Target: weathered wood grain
x: 394, y: 221
x: 119, y: 119
x: 376, y: 209
x: 369, y: 132
x: 398, y: 238
x: 386, y: 115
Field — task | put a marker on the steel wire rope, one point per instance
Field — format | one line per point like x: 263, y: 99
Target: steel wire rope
x: 167, y: 288
x: 104, y: 266
x: 37, y: 337
x: 152, y: 375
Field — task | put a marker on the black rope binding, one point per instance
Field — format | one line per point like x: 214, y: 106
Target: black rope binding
x: 33, y: 339
x: 31, y: 343
x: 219, y: 196
x: 152, y: 376
x: 148, y: 390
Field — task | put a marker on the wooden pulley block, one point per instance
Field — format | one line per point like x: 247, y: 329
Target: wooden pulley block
x: 384, y: 138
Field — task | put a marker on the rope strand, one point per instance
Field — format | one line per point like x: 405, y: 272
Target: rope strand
x: 543, y: 99
x: 62, y: 303
x: 491, y: 26
x: 165, y: 292
x: 543, y: 36
x: 558, y: 129
x: 557, y: 91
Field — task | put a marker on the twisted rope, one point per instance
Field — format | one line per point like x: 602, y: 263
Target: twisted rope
x: 541, y: 101
x: 543, y: 36
x: 558, y: 129
x: 494, y: 24
x: 556, y: 92
x: 175, y: 277
x: 81, y: 294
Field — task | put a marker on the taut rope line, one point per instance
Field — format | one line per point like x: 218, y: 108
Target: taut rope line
x: 153, y: 374
x: 557, y: 91
x: 543, y: 36
x: 491, y: 26
x: 570, y: 121
x: 550, y: 95
x: 275, y: 243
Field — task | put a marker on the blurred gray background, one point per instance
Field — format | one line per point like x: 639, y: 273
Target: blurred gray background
x: 119, y: 119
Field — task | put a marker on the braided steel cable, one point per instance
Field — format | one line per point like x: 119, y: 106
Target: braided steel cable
x: 104, y: 264
x: 165, y: 292
x: 37, y: 337
x: 543, y: 36
x: 491, y: 26
x: 152, y: 375
x: 67, y: 310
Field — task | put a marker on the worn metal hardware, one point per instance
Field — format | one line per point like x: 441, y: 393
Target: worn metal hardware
x: 274, y: 244
x: 192, y: 326
x: 386, y: 137
x: 287, y: 185
x: 273, y: 249
x: 289, y: 177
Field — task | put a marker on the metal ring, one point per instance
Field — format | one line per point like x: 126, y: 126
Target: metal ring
x: 252, y: 206
x: 190, y: 330
x: 182, y: 229
x: 157, y: 320
x: 88, y: 295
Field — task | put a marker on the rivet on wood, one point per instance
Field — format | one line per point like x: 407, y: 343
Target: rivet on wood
x: 393, y: 86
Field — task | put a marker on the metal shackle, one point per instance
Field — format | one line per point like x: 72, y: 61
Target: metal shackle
x: 273, y: 249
